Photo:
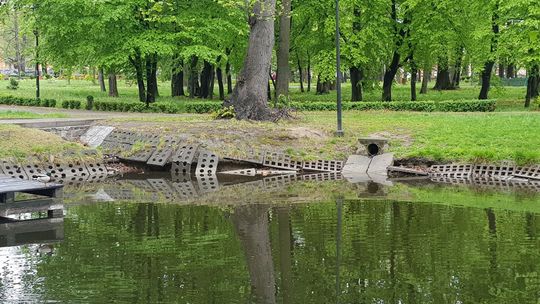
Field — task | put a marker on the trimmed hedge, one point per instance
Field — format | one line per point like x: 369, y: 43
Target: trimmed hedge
x: 416, y: 106
x: 202, y: 107
x: 21, y: 101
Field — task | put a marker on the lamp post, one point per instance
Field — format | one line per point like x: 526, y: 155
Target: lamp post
x: 339, y: 131
x: 36, y: 33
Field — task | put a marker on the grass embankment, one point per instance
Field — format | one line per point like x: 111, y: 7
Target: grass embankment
x: 508, y: 98
x: 28, y: 115
x: 27, y: 145
x: 444, y: 137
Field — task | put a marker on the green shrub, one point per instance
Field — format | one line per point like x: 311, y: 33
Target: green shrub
x: 50, y: 103
x: 89, y: 102
x: 65, y: 104
x: 203, y: 107
x: 415, y: 106
x: 224, y: 113
x: 13, y: 84
x: 21, y: 101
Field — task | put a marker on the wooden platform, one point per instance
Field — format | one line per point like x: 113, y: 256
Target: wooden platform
x: 9, y: 186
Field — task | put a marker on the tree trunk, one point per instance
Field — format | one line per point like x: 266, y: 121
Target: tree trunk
x: 309, y: 73
x: 389, y: 76
x: 456, y: 77
x: 193, y: 77
x: 283, y: 69
x: 300, y: 73
x: 501, y: 69
x: 113, y: 85
x: 219, y: 75
x: 443, y: 81
x: 533, y: 85
x: 356, y: 84
x: 488, y: 66
x: 101, y: 80
x: 229, y: 78
x: 414, y: 76
x: 177, y: 79
x: 137, y: 63
x: 426, y: 75
x: 206, y: 80
x: 151, y: 78
x: 510, y: 71
x: 252, y: 228
x: 249, y: 97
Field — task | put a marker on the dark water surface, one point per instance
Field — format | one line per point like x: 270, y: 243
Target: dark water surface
x: 343, y: 249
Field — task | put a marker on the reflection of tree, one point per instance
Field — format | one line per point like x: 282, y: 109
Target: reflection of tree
x: 251, y: 224
x: 285, y: 252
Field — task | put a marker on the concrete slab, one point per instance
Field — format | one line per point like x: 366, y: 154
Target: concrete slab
x: 357, y: 164
x: 95, y: 136
x: 380, y: 163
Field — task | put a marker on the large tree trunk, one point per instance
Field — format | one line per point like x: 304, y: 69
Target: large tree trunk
x: 193, y: 77
x: 250, y: 98
x: 137, y: 63
x: 300, y: 73
x: 283, y: 69
x: 101, y: 80
x: 533, y: 85
x: 113, y: 85
x: 501, y: 69
x: 443, y: 81
x: 177, y: 79
x: 510, y: 71
x: 356, y: 84
x: 426, y: 75
x: 488, y: 66
x: 252, y: 228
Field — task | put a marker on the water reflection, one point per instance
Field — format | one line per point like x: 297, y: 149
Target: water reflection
x: 317, y: 243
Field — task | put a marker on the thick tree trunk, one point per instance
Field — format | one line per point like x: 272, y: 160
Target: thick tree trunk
x: 501, y: 70
x: 426, y: 75
x: 488, y: 66
x: 533, y: 85
x: 101, y: 80
x: 443, y: 81
x: 356, y: 84
x: 283, y: 69
x: 389, y: 76
x: 193, y: 77
x: 229, y: 78
x: 113, y: 85
x: 250, y: 98
x: 300, y: 73
x: 137, y: 63
x: 252, y: 228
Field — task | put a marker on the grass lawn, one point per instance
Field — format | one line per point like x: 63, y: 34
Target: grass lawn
x: 445, y: 137
x: 28, y: 115
x: 24, y: 144
x: 508, y: 98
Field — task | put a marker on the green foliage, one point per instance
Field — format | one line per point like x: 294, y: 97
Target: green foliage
x: 415, y: 106
x: 89, y: 102
x: 224, y: 113
x: 71, y: 104
x: 13, y: 84
x: 21, y: 101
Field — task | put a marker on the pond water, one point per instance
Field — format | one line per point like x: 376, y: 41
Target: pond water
x: 313, y: 242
